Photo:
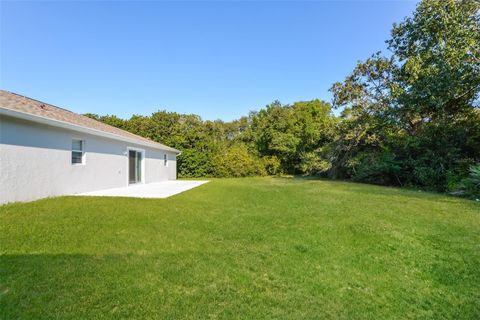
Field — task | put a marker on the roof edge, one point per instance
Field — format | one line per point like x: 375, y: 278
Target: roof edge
x: 75, y: 127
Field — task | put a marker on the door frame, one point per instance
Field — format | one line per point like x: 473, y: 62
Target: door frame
x: 142, y: 164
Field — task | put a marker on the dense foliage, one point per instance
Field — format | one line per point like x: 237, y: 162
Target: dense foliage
x: 413, y: 116
x: 409, y: 118
x: 470, y: 186
x: 278, y: 139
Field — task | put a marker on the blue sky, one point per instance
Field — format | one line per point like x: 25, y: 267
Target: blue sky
x: 217, y: 59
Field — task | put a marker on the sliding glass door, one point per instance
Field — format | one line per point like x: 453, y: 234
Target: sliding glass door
x: 134, y: 166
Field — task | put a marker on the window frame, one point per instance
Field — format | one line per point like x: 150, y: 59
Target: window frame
x: 78, y: 150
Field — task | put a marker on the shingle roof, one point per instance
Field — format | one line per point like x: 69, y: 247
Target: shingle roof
x: 16, y: 102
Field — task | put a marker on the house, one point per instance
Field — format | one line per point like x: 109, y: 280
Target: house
x: 49, y: 151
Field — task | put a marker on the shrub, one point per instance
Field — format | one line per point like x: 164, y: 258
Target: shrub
x: 195, y: 164
x: 471, y: 184
x: 375, y: 167
x: 237, y: 161
x: 272, y: 165
x: 311, y: 163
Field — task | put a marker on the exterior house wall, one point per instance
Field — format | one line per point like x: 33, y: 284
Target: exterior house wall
x: 35, y: 162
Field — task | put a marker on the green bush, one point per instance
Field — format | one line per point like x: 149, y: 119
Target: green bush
x: 311, y: 163
x: 195, y: 164
x: 471, y: 184
x: 375, y: 167
x: 272, y: 165
x: 237, y: 161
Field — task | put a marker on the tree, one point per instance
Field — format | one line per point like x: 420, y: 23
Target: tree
x: 409, y: 118
x: 437, y: 52
x: 407, y: 115
x: 294, y: 134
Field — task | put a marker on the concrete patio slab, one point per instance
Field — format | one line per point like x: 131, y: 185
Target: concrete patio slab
x: 163, y: 189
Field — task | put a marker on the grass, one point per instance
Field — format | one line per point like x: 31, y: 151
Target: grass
x: 244, y: 248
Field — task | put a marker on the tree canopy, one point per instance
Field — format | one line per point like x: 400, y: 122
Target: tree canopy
x: 410, y: 117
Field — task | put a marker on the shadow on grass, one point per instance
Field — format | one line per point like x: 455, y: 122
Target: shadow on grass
x: 34, y: 286
x: 47, y: 285
x: 380, y: 190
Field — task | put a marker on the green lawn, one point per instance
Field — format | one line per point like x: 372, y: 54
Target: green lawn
x: 244, y: 248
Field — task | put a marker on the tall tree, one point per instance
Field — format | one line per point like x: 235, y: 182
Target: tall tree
x: 409, y: 112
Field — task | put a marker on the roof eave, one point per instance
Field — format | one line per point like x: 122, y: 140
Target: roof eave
x: 78, y: 128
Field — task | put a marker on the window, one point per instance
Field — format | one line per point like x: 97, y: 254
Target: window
x: 165, y: 160
x: 77, y: 151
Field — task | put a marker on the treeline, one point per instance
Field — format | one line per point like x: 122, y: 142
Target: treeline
x: 280, y: 139
x: 411, y: 118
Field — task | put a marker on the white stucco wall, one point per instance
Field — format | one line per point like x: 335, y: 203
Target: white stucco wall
x: 35, y: 162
